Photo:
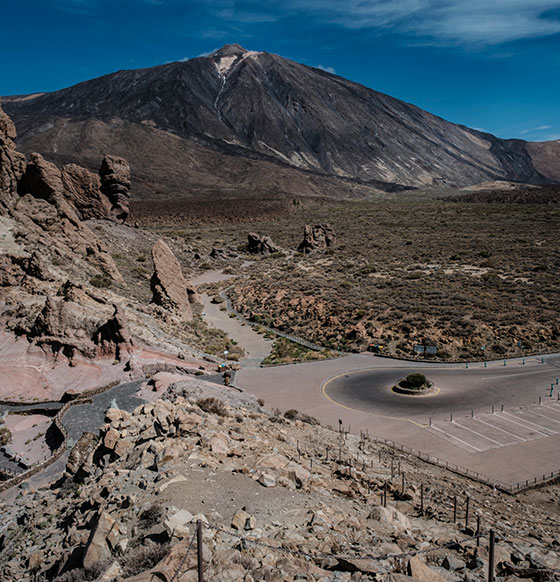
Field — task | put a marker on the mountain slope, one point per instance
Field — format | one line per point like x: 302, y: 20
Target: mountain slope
x: 256, y: 106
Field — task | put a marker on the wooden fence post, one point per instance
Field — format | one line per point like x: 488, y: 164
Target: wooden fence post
x: 200, y: 564
x: 491, y: 557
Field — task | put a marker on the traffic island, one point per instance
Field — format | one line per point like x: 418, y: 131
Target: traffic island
x: 415, y: 385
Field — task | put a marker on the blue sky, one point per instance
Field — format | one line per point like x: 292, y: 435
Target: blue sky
x: 488, y: 64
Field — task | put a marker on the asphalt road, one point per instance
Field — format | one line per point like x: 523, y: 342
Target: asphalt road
x: 460, y: 390
x: 89, y: 417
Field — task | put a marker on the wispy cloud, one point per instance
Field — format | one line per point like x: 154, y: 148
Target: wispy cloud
x: 451, y: 22
x: 535, y: 129
x: 327, y: 69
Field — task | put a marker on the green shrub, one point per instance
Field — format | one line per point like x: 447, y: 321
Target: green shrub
x: 415, y: 381
x: 100, y: 281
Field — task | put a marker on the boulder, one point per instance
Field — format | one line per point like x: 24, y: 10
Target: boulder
x: 80, y: 457
x: 390, y: 516
x: 41, y: 179
x: 260, y: 244
x: 242, y: 521
x: 169, y: 288
x: 102, y: 538
x: 219, y: 444
x: 177, y: 524
x: 318, y: 237
x: 420, y: 570
x: 358, y: 565
x: 177, y: 559
x: 36, y: 267
x: 267, y: 480
x: 115, y: 184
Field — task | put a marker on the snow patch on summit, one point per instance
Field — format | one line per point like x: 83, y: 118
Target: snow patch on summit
x: 225, y: 63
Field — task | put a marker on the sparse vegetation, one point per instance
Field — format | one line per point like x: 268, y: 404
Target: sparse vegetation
x: 100, y: 281
x: 5, y: 435
x: 151, y: 516
x: 213, y: 405
x: 430, y: 272
x: 294, y: 414
x: 143, y: 558
x: 286, y: 351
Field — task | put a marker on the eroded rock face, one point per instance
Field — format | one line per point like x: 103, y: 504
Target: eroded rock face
x: 69, y: 328
x: 60, y: 326
x: 41, y: 179
x: 262, y: 245
x: 113, y: 337
x: 12, y: 163
x: 169, y: 288
x: 115, y: 184
x: 14, y: 270
x: 83, y: 190
x: 318, y: 237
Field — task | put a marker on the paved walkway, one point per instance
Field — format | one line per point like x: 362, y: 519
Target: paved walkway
x: 336, y: 389
x: 256, y: 346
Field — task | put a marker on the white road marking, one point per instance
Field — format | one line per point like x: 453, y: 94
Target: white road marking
x: 545, y: 416
x: 526, y: 422
x: 502, y: 430
x: 456, y: 438
x: 480, y: 435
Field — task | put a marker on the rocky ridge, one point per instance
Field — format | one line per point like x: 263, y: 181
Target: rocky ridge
x: 64, y: 305
x: 275, y: 505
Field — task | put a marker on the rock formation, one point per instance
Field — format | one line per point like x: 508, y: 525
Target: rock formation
x: 258, y: 244
x: 113, y: 337
x: 72, y: 324
x: 115, y: 184
x: 169, y: 288
x: 12, y: 163
x: 83, y: 190
x: 61, y: 326
x: 15, y: 269
x: 318, y: 237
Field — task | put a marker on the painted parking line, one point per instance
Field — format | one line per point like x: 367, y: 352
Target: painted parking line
x: 478, y: 434
x: 450, y: 436
x: 524, y: 423
x: 530, y: 417
x: 502, y: 430
x: 498, y: 433
x: 511, y: 425
x: 555, y: 420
